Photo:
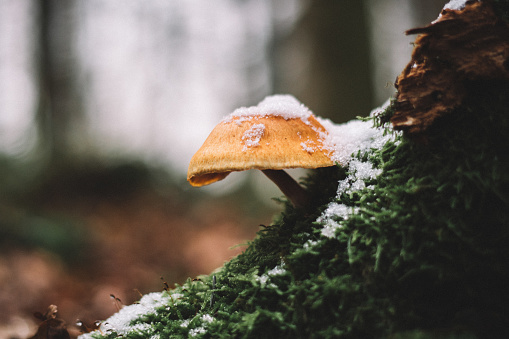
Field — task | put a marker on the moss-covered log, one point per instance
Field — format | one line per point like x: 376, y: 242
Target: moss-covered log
x: 417, y: 251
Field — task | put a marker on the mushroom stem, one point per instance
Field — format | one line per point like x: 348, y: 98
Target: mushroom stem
x: 288, y: 186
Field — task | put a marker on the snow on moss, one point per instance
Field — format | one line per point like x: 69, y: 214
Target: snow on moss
x: 205, y: 320
x: 345, y: 141
x: 308, y: 146
x: 276, y: 271
x: 332, y: 217
x: 120, y: 322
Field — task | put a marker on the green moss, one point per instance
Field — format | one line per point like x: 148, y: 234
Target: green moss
x: 424, y: 254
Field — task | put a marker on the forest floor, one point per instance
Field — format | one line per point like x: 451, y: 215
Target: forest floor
x: 127, y: 247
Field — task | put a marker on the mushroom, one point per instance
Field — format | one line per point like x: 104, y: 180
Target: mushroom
x: 276, y: 134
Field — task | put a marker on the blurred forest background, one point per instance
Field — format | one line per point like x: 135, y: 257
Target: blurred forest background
x: 102, y: 105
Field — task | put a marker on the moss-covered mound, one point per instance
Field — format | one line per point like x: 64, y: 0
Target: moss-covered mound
x: 407, y: 238
x: 419, y: 250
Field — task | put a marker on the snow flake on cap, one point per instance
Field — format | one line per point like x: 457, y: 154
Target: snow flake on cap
x: 252, y: 136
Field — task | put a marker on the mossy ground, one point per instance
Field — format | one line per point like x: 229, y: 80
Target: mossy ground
x: 424, y: 255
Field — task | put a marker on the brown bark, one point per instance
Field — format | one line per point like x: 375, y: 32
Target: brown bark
x: 461, y: 46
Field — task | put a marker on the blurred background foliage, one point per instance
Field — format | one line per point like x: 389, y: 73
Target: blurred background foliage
x: 103, y: 103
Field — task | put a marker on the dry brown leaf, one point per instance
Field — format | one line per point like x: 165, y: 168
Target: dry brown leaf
x: 51, y: 326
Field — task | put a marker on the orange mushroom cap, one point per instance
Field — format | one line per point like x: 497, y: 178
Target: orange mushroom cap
x: 268, y: 141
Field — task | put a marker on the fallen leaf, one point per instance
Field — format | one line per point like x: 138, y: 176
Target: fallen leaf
x: 51, y: 327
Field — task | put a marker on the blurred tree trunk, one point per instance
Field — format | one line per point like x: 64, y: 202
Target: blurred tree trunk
x: 335, y: 67
x: 328, y: 58
x: 60, y: 104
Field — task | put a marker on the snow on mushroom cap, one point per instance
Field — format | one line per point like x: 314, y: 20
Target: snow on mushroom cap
x: 252, y: 136
x: 278, y: 133
x: 282, y: 105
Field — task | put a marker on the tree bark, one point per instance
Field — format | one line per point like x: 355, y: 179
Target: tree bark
x: 59, y: 99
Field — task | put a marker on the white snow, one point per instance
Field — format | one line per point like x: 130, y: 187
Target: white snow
x: 345, y: 141
x: 195, y: 331
x: 207, y: 318
x: 263, y: 279
x: 356, y: 135
x: 281, y: 105
x: 310, y: 243
x: 252, y: 136
x: 456, y: 5
x: 278, y: 270
x: 120, y: 321
x: 333, y: 211
x: 308, y: 146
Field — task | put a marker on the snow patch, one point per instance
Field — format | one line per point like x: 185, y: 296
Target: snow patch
x: 195, y: 331
x: 456, y: 5
x: 345, y: 141
x: 332, y: 217
x: 120, y: 322
x: 205, y: 320
x: 252, y: 136
x: 278, y: 270
x: 309, y: 244
x: 285, y: 106
x: 308, y: 146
